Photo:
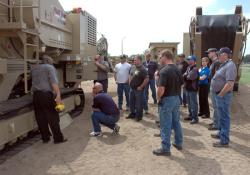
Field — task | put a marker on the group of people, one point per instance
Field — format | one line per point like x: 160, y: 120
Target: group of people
x: 169, y: 77
x: 131, y: 80
x: 217, y: 78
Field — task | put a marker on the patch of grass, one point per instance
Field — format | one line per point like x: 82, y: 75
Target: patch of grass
x: 245, y: 74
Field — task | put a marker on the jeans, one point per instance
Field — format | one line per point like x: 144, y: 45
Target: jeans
x: 223, y: 107
x: 99, y: 117
x: 151, y: 83
x: 170, y: 119
x: 120, y: 88
x: 216, y: 119
x: 145, y: 100
x: 136, y: 103
x: 192, y: 104
x: 183, y: 98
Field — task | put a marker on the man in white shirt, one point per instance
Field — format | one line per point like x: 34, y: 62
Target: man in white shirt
x: 121, y: 78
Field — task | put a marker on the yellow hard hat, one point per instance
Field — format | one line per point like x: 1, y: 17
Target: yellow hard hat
x: 60, y: 107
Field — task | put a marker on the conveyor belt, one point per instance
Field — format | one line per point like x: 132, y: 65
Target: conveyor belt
x: 11, y: 108
x: 217, y: 31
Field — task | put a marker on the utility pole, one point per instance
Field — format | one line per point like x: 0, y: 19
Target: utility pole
x: 122, y: 43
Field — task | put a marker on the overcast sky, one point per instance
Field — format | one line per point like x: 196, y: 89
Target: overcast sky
x: 139, y: 22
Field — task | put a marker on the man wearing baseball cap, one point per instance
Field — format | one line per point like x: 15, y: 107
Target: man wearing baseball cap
x: 212, y: 54
x: 222, y: 84
x: 191, y: 85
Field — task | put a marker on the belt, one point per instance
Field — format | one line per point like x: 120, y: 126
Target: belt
x: 220, y: 91
x: 43, y: 91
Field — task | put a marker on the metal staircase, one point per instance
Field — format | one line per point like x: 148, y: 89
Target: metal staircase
x: 18, y: 28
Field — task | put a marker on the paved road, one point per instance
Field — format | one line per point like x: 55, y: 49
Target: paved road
x: 130, y: 153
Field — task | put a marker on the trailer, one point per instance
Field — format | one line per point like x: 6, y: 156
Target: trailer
x: 216, y: 31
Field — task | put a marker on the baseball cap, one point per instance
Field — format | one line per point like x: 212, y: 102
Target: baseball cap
x: 225, y: 50
x: 191, y: 57
x: 211, y: 50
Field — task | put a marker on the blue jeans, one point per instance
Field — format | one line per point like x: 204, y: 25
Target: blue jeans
x: 145, y: 100
x: 101, y: 118
x: 170, y: 119
x: 151, y: 83
x: 192, y: 104
x: 120, y: 88
x: 223, y: 106
x: 183, y: 98
x: 136, y: 103
x: 216, y: 120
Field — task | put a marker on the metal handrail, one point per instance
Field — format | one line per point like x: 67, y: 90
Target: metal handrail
x: 25, y: 6
x: 4, y: 4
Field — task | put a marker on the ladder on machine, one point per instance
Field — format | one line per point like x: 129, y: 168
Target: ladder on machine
x: 18, y: 28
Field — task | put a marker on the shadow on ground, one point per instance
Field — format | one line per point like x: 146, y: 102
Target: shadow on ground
x: 197, y: 165
x: 112, y: 139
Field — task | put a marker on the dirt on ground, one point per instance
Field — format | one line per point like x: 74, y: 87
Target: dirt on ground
x: 130, y: 152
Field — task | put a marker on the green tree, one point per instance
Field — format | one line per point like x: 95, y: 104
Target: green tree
x: 246, y: 59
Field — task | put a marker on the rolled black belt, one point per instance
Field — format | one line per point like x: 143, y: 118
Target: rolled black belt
x: 43, y: 91
x: 220, y: 91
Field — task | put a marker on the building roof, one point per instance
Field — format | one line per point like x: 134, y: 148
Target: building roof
x: 163, y: 44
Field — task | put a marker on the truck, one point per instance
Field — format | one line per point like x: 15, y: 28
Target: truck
x: 28, y: 29
x: 216, y: 31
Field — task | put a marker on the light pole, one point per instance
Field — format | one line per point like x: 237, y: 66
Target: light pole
x: 122, y: 43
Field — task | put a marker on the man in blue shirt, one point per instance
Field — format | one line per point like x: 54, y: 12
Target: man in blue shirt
x: 105, y: 111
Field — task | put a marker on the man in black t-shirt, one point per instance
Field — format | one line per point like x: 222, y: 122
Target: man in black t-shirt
x: 168, y: 93
x: 151, y: 66
x: 137, y: 81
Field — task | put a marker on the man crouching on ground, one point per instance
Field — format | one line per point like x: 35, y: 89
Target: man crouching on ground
x: 105, y: 111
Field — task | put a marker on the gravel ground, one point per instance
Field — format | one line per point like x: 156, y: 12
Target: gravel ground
x: 131, y: 151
